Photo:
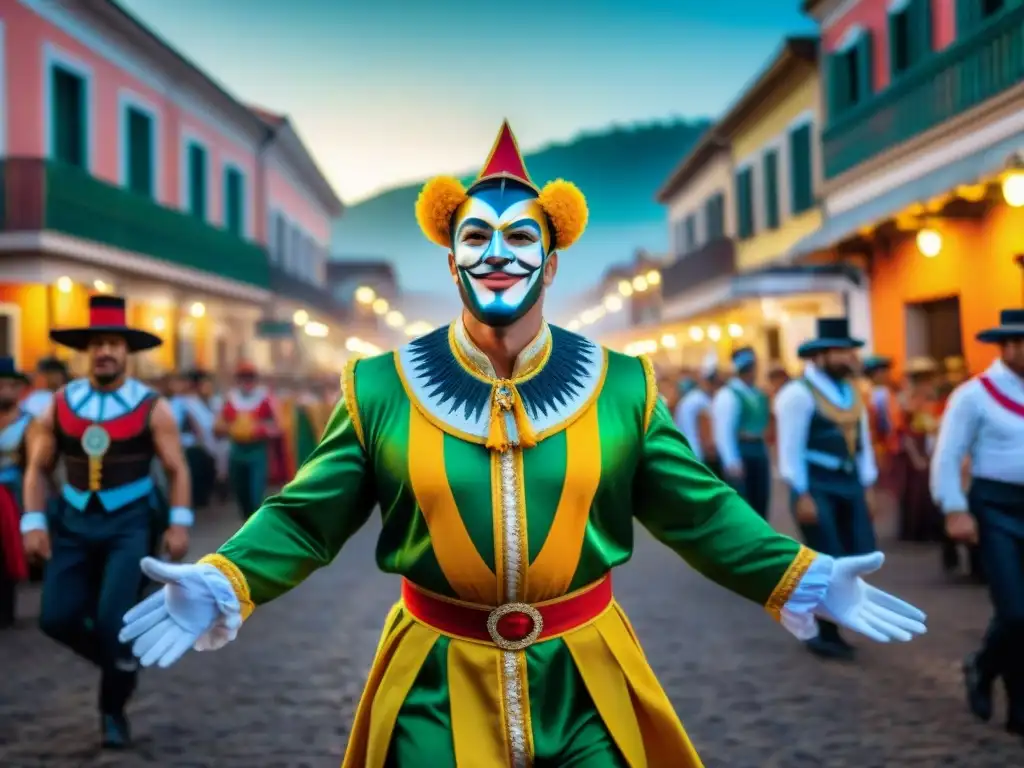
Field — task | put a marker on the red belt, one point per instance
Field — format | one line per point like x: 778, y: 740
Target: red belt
x: 512, y: 626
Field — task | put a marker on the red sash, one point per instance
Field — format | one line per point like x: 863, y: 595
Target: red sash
x: 1011, y: 405
x: 10, y: 538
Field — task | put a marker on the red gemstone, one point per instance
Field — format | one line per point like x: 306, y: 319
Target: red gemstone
x: 515, y: 626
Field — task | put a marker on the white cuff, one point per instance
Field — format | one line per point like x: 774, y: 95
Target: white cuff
x: 225, y: 628
x: 33, y: 521
x: 182, y: 516
x: 798, y: 612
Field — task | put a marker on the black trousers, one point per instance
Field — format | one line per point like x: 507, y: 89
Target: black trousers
x: 999, y: 510
x: 91, y: 581
x: 756, y: 485
x: 203, y: 470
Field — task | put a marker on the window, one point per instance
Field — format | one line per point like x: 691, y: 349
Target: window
x: 140, y: 148
x: 691, y: 233
x: 714, y: 212
x: 771, y: 189
x: 801, y: 169
x: 280, y: 248
x: 197, y: 166
x: 679, y: 236
x: 69, y: 116
x: 850, y: 74
x: 234, y: 201
x: 910, y: 34
x: 745, y: 203
x: 294, y: 264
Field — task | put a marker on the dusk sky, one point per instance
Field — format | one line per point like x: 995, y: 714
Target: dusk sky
x: 392, y: 91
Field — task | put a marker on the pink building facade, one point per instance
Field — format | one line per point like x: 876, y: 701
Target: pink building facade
x: 127, y: 168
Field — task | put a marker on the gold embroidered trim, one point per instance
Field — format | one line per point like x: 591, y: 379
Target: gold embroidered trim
x: 847, y: 419
x: 236, y: 578
x: 789, y: 581
x: 348, y: 394
x: 531, y: 362
x: 651, y: 398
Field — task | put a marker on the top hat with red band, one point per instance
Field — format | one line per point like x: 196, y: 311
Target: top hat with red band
x: 107, y: 316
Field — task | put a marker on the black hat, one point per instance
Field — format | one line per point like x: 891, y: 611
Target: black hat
x: 51, y: 365
x: 1011, y: 326
x: 198, y: 375
x: 873, y: 363
x: 8, y: 370
x: 833, y: 333
x: 107, y: 315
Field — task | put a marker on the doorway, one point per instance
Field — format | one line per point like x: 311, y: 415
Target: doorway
x: 933, y: 329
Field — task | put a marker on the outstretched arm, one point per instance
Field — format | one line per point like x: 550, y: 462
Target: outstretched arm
x: 708, y: 524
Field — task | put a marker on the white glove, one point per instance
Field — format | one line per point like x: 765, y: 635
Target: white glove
x: 853, y: 603
x: 196, y: 608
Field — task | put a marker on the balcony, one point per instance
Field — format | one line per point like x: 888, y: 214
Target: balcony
x: 37, y: 195
x: 313, y: 297
x: 964, y: 75
x: 714, y: 260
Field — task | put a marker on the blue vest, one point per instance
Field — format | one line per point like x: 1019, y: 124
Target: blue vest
x: 12, y: 442
x: 831, y: 464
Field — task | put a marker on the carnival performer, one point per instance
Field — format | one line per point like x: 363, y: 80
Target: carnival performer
x: 108, y: 428
x: 249, y: 420
x: 920, y: 519
x: 740, y: 413
x: 203, y: 407
x: 693, y: 415
x: 984, y: 421
x: 14, y: 422
x: 883, y: 408
x: 509, y: 458
x: 826, y: 457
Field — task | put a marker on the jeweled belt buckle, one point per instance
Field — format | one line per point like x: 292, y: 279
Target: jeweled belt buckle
x: 514, y: 626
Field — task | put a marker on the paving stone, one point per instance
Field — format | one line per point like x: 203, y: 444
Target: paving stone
x: 284, y: 693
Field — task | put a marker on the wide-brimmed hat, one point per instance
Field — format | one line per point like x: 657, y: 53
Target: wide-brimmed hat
x: 246, y: 370
x: 8, y: 370
x: 108, y: 316
x: 51, y: 365
x: 874, y: 363
x: 833, y: 333
x: 920, y: 366
x: 1011, y: 326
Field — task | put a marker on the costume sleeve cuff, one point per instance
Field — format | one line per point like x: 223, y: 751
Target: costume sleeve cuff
x: 797, y: 614
x: 33, y: 521
x: 182, y: 516
x: 235, y: 579
x: 790, y: 582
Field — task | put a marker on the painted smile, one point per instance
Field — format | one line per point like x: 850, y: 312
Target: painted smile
x: 497, y: 281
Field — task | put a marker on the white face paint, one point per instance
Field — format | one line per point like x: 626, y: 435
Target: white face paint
x: 500, y: 242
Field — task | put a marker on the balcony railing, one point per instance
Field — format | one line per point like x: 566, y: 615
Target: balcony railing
x: 314, y: 297
x: 38, y: 195
x: 712, y: 261
x: 952, y: 81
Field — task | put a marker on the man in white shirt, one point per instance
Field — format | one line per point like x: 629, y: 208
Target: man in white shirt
x: 51, y: 375
x: 693, y: 415
x: 826, y: 457
x: 740, y: 413
x: 984, y: 420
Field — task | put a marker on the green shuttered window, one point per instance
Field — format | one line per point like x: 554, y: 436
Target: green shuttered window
x: 801, y: 169
x: 197, y: 177
x: 745, y: 203
x: 234, y: 201
x: 771, y: 189
x: 850, y: 75
x: 910, y: 36
x: 141, y: 151
x: 714, y: 211
x: 690, y: 244
x: 971, y: 13
x: 68, y: 117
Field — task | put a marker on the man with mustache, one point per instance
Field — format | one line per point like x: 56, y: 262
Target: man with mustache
x: 827, y: 458
x: 108, y: 428
x: 509, y: 458
x: 14, y: 423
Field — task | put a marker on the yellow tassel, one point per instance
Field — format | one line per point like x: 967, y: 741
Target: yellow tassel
x: 505, y: 398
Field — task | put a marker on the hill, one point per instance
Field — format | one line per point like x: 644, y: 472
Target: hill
x: 618, y: 169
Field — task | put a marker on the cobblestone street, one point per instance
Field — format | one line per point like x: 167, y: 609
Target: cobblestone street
x: 284, y: 693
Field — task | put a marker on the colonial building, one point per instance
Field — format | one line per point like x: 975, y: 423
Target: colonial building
x: 922, y: 164
x: 125, y: 168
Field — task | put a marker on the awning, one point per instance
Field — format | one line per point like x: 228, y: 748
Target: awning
x: 769, y: 282
x: 967, y: 170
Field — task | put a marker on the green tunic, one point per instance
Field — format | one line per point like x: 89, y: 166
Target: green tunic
x: 410, y: 436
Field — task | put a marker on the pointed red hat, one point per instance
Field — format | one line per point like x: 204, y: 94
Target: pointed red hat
x: 505, y: 160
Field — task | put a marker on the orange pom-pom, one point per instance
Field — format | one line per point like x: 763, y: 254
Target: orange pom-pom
x: 434, y: 208
x: 566, y: 208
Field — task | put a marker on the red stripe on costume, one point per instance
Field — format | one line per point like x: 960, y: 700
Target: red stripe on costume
x: 1011, y: 405
x: 122, y: 428
x: 10, y: 538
